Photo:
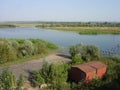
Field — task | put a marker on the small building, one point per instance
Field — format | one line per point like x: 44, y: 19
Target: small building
x: 87, y: 71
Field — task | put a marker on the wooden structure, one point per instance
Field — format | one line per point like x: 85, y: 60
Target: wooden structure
x: 87, y: 71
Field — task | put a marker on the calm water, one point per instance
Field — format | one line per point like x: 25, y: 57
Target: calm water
x: 62, y: 38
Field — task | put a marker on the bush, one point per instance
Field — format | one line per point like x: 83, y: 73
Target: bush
x: 89, y: 52
x: 53, y: 74
x: 6, y: 52
x: 28, y: 47
x: 73, y: 50
x: 76, y: 60
x: 40, y: 48
x: 20, y: 82
x: 8, y: 81
x: 12, y: 49
x: 86, y: 52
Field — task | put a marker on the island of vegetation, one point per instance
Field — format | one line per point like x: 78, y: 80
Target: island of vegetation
x: 84, y: 27
x: 79, y: 27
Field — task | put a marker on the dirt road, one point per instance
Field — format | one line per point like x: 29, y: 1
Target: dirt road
x: 26, y: 67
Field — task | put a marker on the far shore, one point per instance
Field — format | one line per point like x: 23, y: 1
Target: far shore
x: 78, y: 28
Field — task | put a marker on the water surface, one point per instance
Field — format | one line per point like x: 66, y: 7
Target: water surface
x: 61, y: 38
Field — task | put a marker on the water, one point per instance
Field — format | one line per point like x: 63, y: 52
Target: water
x: 62, y: 38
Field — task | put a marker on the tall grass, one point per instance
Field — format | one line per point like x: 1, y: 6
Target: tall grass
x: 89, y: 30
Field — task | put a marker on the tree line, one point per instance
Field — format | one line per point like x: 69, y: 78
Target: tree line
x: 79, y: 24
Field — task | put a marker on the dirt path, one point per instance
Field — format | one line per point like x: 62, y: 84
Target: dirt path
x: 26, y: 67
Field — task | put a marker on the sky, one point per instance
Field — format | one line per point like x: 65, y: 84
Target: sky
x: 60, y: 10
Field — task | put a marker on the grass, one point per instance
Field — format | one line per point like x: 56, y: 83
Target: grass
x: 42, y: 49
x: 78, y: 29
x: 7, y: 26
x: 89, y: 30
x: 27, y: 58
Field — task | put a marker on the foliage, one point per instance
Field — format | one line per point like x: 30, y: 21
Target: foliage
x: 53, y: 74
x: 20, y: 82
x: 85, y: 52
x: 6, y: 52
x: 28, y: 47
x: 9, y: 82
x: 14, y: 49
x: 76, y: 60
x: 89, y: 52
x: 73, y: 50
x: 84, y: 27
x: 7, y: 25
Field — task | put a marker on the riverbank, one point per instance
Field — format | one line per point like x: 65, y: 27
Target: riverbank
x: 89, y: 30
x: 14, y: 51
x: 7, y: 26
x: 81, y: 28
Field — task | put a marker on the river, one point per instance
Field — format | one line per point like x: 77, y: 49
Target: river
x: 63, y: 38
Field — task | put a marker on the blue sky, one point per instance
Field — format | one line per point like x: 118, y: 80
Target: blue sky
x: 60, y: 10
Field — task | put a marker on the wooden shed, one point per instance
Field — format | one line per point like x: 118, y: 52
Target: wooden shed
x: 87, y: 71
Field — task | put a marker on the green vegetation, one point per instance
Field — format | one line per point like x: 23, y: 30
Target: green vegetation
x: 84, y: 52
x: 53, y: 74
x: 7, y: 26
x: 84, y: 27
x: 79, y: 27
x: 56, y: 76
x: 89, y: 30
x: 8, y: 81
x: 78, y: 24
x: 12, y: 50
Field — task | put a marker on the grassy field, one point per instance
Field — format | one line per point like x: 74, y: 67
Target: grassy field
x: 7, y: 26
x: 78, y: 29
x: 89, y: 30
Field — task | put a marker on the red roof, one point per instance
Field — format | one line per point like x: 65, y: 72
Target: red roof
x: 96, y: 64
x: 84, y: 67
x: 90, y: 66
x: 88, y: 71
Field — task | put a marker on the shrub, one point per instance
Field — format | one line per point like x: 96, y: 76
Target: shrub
x: 20, y: 82
x: 37, y: 78
x: 54, y: 74
x: 73, y: 50
x: 28, y: 47
x: 7, y: 80
x: 40, y: 48
x: 6, y: 52
x: 12, y: 49
x: 86, y: 52
x: 76, y: 60
x: 89, y: 52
